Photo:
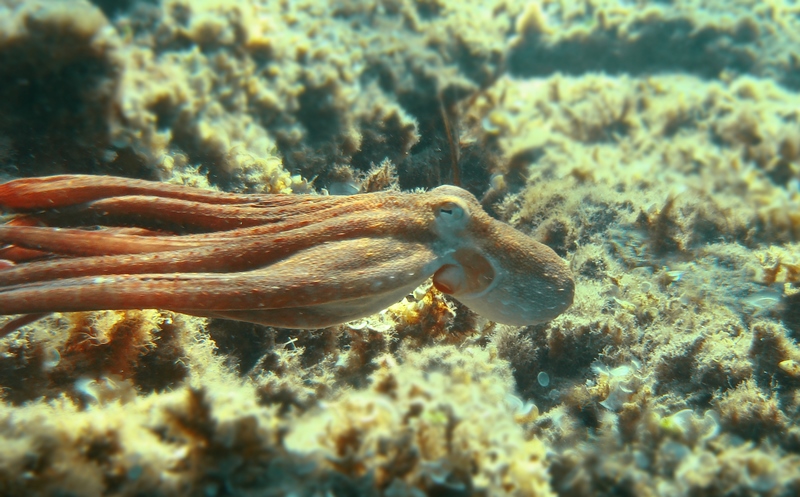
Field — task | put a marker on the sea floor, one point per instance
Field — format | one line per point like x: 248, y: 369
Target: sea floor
x: 655, y: 146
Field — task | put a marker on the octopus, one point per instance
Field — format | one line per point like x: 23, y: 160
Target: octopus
x: 85, y: 243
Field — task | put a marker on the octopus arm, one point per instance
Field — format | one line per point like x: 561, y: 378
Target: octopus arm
x: 52, y: 192
x: 77, y: 199
x: 240, y: 252
x: 77, y: 242
x: 320, y: 275
x: 192, y: 216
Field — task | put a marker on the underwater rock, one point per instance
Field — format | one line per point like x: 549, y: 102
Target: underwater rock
x: 653, y: 145
x: 61, y: 67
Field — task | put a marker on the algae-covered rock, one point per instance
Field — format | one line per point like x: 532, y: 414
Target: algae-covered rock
x: 653, y: 145
x: 60, y: 67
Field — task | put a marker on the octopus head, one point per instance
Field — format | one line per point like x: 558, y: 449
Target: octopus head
x: 495, y: 270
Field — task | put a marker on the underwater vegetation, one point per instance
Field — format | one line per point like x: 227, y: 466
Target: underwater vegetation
x: 654, y: 146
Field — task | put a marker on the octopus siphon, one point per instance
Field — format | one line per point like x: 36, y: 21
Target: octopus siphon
x: 82, y: 243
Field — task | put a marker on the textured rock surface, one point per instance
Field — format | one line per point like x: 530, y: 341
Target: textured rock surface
x: 654, y: 145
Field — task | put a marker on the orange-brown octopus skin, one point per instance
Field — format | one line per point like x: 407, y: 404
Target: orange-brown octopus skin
x: 82, y: 243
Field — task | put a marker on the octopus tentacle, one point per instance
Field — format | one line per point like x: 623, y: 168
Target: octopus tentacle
x: 17, y: 253
x: 248, y: 252
x: 13, y: 254
x: 199, y: 216
x: 53, y: 192
x: 84, y: 243
x: 20, y: 321
x: 275, y: 214
x: 395, y: 267
x: 67, y: 200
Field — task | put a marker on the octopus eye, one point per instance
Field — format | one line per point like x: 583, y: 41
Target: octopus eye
x: 450, y: 215
x: 450, y: 210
